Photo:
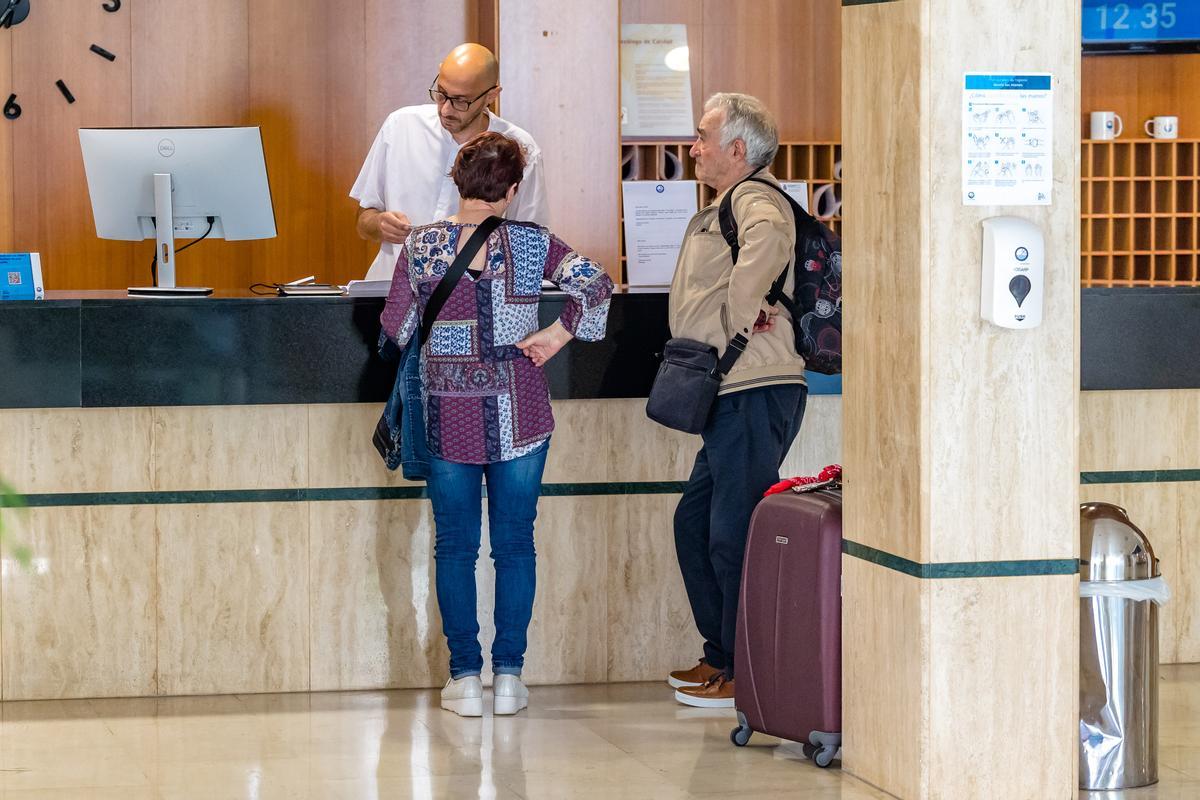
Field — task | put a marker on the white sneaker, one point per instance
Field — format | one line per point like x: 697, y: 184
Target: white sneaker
x: 464, y: 696
x: 510, y: 695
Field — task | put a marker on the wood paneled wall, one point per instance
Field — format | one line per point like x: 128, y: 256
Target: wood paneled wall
x: 561, y: 83
x: 318, y: 77
x: 785, y: 52
x: 1141, y: 87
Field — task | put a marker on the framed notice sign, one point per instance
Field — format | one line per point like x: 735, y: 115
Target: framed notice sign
x: 656, y: 82
x: 1007, y: 144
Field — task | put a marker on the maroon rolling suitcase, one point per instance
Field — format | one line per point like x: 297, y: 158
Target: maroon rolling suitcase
x: 788, y: 660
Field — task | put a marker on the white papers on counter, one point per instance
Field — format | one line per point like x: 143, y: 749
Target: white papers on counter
x: 381, y: 288
x: 369, y: 288
x: 656, y: 218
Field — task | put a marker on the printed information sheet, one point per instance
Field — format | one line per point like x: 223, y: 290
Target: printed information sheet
x: 656, y: 218
x: 656, y: 82
x: 1008, y: 154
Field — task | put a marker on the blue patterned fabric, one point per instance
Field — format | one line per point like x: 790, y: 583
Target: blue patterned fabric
x: 485, y: 401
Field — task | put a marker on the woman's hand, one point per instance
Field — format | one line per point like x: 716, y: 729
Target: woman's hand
x: 540, y: 347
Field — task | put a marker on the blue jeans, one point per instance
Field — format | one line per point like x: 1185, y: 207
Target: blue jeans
x: 513, y: 488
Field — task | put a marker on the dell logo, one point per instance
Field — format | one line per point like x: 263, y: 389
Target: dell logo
x: 166, y: 148
x: 781, y: 540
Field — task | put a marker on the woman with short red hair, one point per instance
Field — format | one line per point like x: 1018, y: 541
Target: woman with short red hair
x: 487, y: 404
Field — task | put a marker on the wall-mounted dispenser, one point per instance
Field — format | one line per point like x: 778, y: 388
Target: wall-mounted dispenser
x: 1013, y: 272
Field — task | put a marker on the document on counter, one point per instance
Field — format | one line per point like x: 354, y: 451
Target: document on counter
x: 656, y: 218
x: 377, y: 288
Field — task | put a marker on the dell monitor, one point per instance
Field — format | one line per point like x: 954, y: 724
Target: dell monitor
x: 159, y: 183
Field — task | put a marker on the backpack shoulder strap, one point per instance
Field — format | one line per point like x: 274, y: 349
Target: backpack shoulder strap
x: 730, y: 232
x: 729, y: 228
x: 798, y: 212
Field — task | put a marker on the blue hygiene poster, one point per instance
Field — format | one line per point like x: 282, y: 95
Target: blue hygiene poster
x: 21, y: 276
x: 1007, y: 142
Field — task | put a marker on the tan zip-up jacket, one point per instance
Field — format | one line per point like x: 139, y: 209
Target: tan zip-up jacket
x: 711, y: 299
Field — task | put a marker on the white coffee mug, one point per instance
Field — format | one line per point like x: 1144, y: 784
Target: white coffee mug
x: 1163, y: 127
x: 1106, y: 125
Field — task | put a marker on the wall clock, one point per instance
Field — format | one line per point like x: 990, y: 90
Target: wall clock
x: 14, y: 12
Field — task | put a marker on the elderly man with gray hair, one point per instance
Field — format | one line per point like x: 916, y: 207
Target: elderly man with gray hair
x: 761, y: 401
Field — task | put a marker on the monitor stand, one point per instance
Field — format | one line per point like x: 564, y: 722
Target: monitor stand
x: 164, y: 227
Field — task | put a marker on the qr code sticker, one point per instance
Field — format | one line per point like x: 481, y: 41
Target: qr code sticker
x: 14, y: 279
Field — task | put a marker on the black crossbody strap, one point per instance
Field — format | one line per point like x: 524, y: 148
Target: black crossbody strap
x: 733, y: 351
x: 446, y: 285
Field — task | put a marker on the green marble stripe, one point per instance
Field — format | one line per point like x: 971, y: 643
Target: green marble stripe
x: 961, y: 569
x: 323, y: 494
x: 593, y: 489
x: 1141, y: 476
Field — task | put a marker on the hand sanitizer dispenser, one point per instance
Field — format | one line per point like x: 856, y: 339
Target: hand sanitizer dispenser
x: 1013, y: 272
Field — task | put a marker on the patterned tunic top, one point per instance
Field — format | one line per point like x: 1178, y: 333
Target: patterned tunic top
x: 485, y: 401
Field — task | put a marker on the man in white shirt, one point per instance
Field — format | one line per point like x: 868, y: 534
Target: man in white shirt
x: 405, y: 180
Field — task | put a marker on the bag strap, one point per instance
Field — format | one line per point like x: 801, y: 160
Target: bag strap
x: 729, y: 231
x: 453, y: 275
x: 733, y: 351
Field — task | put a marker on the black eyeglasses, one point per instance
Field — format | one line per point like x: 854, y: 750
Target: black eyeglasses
x: 457, y: 103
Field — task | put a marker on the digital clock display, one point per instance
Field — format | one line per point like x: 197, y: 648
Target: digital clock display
x: 1162, y: 21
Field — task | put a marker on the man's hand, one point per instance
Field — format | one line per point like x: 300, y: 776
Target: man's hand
x: 541, y: 346
x: 383, y: 226
x: 766, y: 319
x: 394, y: 227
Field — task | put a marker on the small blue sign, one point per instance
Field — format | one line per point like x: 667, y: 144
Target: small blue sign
x: 21, y: 276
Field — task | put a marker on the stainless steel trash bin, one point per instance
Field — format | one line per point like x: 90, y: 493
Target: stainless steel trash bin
x: 1120, y: 590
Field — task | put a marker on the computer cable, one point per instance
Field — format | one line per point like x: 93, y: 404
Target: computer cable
x: 154, y: 261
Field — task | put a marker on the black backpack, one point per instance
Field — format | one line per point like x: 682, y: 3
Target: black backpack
x: 816, y: 302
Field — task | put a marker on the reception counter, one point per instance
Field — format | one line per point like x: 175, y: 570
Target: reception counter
x: 208, y: 514
x: 103, y: 349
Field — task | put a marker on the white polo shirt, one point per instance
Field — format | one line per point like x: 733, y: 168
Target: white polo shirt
x: 408, y: 170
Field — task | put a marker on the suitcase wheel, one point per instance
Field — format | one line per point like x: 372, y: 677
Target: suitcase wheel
x: 821, y: 755
x: 740, y: 735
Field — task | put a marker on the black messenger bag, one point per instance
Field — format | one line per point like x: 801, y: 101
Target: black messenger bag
x: 687, y: 382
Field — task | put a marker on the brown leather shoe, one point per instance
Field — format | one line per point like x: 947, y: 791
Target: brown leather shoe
x: 717, y: 693
x: 696, y: 676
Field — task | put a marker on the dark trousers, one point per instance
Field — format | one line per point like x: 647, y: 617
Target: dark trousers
x: 745, y: 441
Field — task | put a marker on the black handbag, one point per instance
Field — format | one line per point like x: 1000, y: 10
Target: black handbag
x: 687, y: 382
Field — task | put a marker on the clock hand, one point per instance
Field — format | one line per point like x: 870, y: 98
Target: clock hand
x: 6, y: 16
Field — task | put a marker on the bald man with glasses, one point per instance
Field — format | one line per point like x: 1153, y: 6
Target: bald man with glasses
x: 405, y: 180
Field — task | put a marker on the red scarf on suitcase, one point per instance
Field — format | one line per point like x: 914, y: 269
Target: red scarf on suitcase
x: 831, y: 474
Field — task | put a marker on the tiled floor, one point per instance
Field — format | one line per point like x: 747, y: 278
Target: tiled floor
x: 603, y: 742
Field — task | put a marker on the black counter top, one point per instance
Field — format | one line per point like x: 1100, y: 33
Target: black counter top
x: 102, y: 349
x: 1140, y: 339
